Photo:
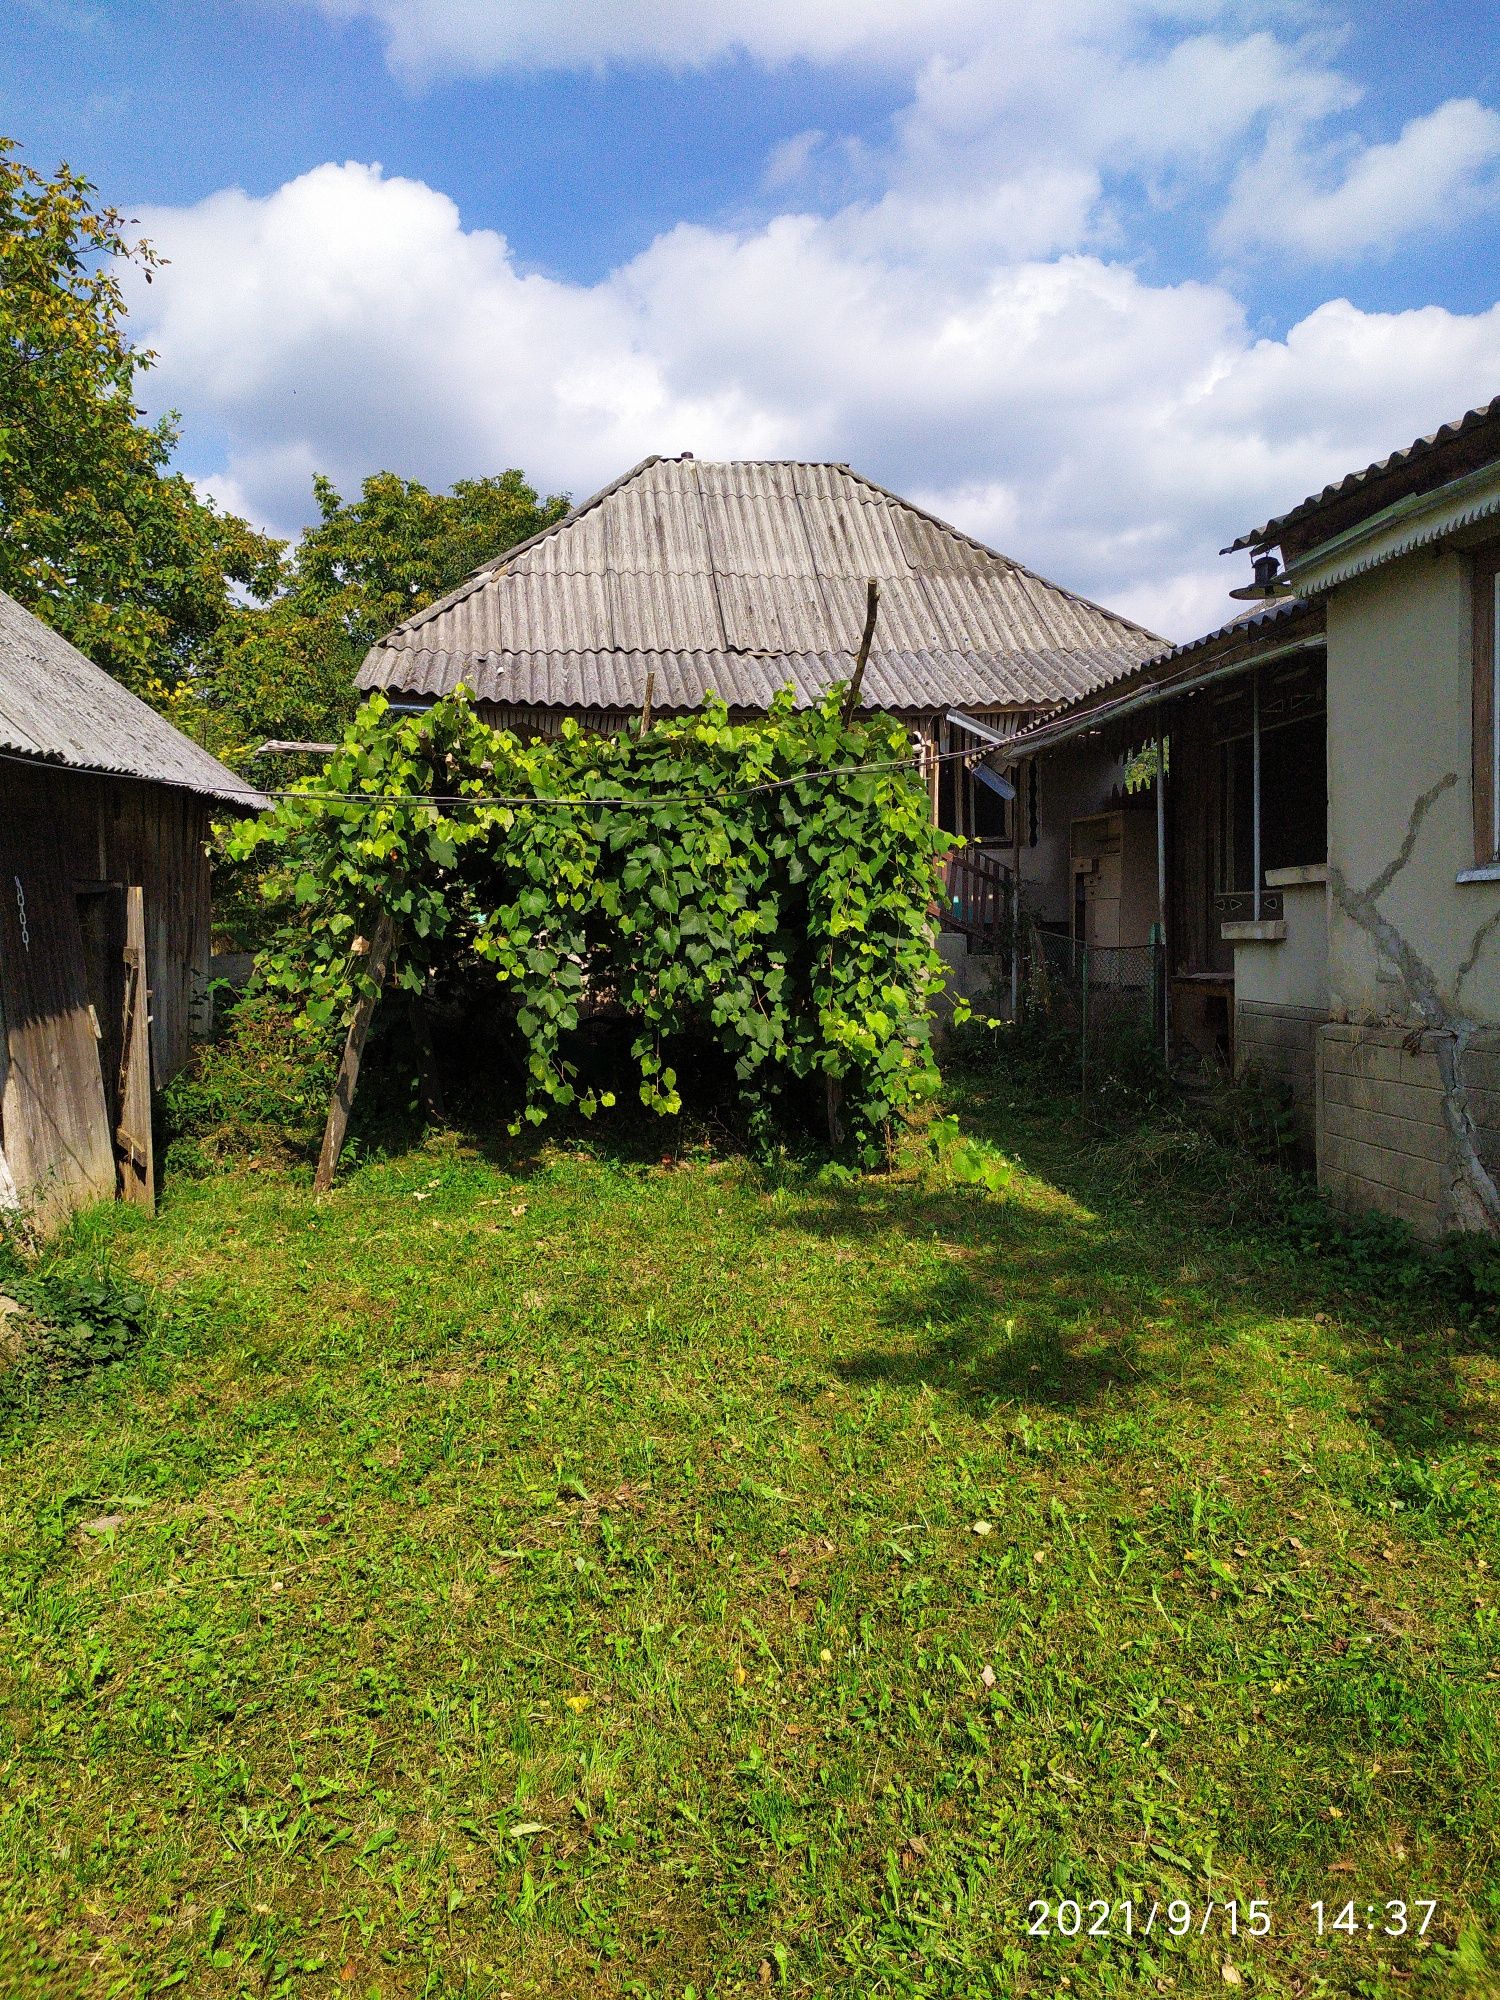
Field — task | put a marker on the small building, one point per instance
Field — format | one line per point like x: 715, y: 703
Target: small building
x: 1329, y: 879
x: 104, y: 919
x: 686, y: 578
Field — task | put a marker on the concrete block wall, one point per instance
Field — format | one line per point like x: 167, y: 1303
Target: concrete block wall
x: 1279, y: 1043
x: 1382, y: 1139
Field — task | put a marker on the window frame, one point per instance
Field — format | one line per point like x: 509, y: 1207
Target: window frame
x: 1226, y: 845
x: 1485, y: 588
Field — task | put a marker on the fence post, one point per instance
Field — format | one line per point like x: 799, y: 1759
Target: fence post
x: 1015, y: 946
x: 1084, y: 1017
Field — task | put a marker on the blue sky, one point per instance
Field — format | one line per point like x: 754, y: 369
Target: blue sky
x: 1103, y: 280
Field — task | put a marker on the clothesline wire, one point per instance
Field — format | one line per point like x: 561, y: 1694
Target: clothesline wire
x: 532, y: 801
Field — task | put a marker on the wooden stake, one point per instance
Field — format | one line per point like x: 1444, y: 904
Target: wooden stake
x: 872, y: 606
x: 646, y: 704
x: 354, y: 1047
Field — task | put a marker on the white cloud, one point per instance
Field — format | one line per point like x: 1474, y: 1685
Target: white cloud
x: 1032, y: 125
x: 427, y: 38
x: 1111, y: 432
x: 1338, y: 201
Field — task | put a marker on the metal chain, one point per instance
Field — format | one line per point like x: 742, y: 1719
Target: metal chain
x: 21, y: 909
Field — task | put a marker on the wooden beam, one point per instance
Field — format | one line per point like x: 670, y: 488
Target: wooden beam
x: 862, y: 658
x: 347, y: 1080
x: 133, y: 1133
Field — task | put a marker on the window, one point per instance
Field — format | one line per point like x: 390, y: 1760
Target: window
x: 1486, y: 581
x: 991, y: 820
x: 1280, y: 721
x: 1293, y: 801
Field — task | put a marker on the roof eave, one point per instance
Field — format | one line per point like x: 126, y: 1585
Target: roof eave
x: 248, y: 800
x: 1219, y: 656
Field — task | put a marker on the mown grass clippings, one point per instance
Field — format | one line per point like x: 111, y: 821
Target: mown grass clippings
x: 567, y: 1574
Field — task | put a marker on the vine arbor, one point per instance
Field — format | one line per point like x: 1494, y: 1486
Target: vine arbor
x: 767, y: 883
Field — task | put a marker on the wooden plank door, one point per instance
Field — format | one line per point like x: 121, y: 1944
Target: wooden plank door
x: 133, y: 1132
x: 53, y: 1117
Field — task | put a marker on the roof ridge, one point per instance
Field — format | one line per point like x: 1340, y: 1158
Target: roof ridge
x: 998, y: 555
x: 877, y: 650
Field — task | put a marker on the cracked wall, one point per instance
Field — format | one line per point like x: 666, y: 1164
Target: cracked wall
x: 1409, y: 1068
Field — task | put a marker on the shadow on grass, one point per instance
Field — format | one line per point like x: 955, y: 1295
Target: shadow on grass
x: 961, y: 1347
x: 1066, y: 1302
x: 1397, y: 1330
x: 1122, y: 1291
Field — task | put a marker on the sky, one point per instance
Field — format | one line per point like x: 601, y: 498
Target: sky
x: 1103, y: 282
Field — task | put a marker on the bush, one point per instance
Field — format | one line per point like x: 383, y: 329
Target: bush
x: 259, y: 1089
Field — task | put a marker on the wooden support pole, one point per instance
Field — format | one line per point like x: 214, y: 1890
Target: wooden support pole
x: 862, y: 658
x: 646, y: 704
x: 347, y: 1079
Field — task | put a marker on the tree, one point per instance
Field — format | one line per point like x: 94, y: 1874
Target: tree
x: 98, y: 535
x: 287, y: 666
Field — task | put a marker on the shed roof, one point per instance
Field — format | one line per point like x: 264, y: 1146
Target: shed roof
x: 740, y: 577
x: 1271, y: 629
x: 1446, y: 453
x: 57, y: 706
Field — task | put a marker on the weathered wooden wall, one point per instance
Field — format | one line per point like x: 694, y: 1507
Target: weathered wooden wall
x: 61, y: 832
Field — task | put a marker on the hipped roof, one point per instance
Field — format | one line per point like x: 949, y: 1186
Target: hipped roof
x: 738, y: 578
x: 56, y: 706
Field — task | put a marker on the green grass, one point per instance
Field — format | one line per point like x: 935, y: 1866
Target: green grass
x: 580, y: 1576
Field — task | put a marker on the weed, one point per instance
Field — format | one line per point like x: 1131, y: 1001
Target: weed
x: 67, y: 1326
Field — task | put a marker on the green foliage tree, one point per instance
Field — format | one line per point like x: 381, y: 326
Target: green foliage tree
x: 768, y: 883
x: 97, y: 535
x: 288, y: 666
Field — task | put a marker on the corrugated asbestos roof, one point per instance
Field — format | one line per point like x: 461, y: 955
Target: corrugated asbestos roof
x: 1408, y: 468
x: 738, y: 578
x: 56, y: 705
x: 1283, y: 621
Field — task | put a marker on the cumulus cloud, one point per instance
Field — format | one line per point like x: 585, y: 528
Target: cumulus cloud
x: 1337, y: 201
x: 1109, y: 431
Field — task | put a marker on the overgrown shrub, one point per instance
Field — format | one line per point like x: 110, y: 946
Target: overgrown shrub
x: 1225, y: 1144
x: 768, y: 884
x: 1041, y: 1056
x: 260, y: 1088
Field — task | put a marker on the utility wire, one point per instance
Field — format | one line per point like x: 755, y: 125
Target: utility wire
x: 531, y: 801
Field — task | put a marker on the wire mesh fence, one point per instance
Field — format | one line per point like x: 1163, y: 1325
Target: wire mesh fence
x: 1104, y: 995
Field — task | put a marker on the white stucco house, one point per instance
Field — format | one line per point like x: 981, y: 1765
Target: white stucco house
x: 1323, y: 854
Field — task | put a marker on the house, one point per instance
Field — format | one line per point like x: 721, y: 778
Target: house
x: 104, y: 919
x: 1328, y: 872
x: 686, y: 578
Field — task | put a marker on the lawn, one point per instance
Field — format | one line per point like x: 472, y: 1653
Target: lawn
x: 578, y: 1574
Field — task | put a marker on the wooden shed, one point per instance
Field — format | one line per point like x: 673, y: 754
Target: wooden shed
x: 104, y: 919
